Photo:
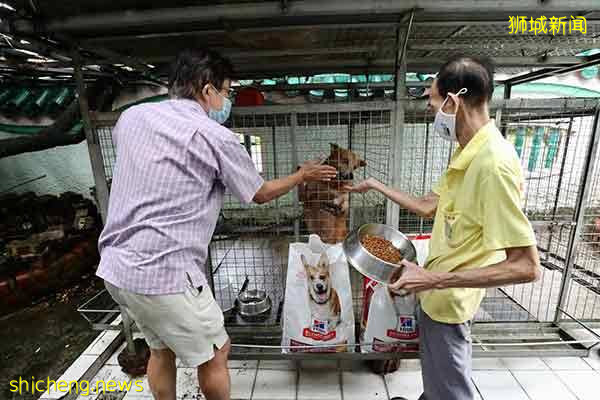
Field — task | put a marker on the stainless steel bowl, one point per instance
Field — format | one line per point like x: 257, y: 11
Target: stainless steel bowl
x: 253, y: 303
x: 371, y: 266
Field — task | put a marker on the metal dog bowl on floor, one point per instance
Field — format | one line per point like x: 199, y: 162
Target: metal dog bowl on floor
x: 253, y: 303
x: 373, y: 267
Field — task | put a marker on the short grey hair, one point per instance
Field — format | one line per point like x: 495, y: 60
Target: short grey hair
x: 194, y: 68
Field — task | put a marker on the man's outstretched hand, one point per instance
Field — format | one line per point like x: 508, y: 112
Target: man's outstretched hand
x: 362, y: 187
x: 313, y: 171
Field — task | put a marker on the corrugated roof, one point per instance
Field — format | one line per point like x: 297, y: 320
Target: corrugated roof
x: 309, y: 37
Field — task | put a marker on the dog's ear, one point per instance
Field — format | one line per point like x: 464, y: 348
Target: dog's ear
x: 304, y: 261
x: 324, y: 260
x: 362, y: 163
x: 334, y: 146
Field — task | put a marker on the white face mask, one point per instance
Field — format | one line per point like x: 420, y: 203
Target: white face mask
x: 445, y: 124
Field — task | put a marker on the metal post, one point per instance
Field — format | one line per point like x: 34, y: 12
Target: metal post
x: 424, y: 187
x: 293, y: 125
x: 248, y: 144
x: 562, y: 168
x: 393, y: 209
x: 498, y: 119
x: 507, y: 91
x: 350, y: 129
x: 128, y: 332
x: 93, y: 143
x: 582, y: 197
x: 559, y: 185
x: 275, y: 176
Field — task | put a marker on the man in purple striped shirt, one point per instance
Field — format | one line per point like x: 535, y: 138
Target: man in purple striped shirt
x: 174, y: 163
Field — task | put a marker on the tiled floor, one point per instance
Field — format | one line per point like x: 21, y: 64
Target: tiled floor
x: 564, y: 378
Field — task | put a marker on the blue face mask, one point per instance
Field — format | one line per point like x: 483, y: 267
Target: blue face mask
x: 221, y: 115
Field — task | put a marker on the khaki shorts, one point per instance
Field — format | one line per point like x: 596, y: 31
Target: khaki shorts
x: 190, y: 323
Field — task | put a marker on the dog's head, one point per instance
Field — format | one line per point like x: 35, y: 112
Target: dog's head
x: 319, y: 279
x: 345, y: 161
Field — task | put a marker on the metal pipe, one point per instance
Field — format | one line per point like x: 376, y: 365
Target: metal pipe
x: 93, y: 144
x: 562, y: 168
x: 275, y: 176
x: 236, y: 53
x: 22, y: 184
x: 257, y: 65
x: 539, y: 45
x: 411, y: 106
x: 329, y: 86
x: 544, y: 73
x: 507, y: 93
x: 407, y: 35
x: 127, y: 330
x: 560, y: 178
x: 423, y: 187
x: 351, y: 217
x: 584, y: 193
x: 325, y: 23
x: 481, y: 344
x: 395, y: 159
x: 293, y: 126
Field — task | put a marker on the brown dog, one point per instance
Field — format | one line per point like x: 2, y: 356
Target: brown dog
x: 325, y: 205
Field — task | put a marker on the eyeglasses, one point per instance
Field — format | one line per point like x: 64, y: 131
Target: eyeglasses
x: 227, y: 93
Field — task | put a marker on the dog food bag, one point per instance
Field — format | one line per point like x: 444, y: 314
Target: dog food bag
x: 318, y: 299
x: 389, y: 322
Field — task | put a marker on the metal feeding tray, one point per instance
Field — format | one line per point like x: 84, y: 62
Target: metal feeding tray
x: 369, y: 265
x: 253, y: 304
x: 100, y: 311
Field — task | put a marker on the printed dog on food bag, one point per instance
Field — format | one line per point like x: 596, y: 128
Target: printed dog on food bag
x: 325, y: 205
x: 323, y: 299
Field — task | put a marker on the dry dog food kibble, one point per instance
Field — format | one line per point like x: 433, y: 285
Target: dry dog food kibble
x: 381, y: 248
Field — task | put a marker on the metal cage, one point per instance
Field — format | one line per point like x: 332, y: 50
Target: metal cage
x: 557, y: 140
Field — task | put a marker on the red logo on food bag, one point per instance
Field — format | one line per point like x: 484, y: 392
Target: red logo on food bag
x: 407, y: 329
x: 308, y: 333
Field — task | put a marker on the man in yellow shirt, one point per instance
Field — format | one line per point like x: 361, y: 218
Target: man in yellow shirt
x: 480, y: 237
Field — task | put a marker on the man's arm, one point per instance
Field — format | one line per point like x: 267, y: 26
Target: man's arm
x: 424, y: 206
x: 310, y: 171
x: 522, y: 265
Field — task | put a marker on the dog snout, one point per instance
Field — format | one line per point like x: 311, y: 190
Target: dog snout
x: 345, y: 176
x: 320, y: 287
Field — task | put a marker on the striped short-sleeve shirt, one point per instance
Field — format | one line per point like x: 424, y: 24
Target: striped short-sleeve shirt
x: 173, y: 166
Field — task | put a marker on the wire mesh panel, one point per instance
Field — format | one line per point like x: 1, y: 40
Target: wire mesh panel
x: 107, y: 147
x: 582, y: 289
x: 553, y: 146
x: 356, y: 142
x: 251, y: 241
x: 425, y: 158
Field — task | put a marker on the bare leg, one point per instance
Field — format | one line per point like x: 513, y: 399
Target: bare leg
x: 213, y: 375
x: 162, y: 374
